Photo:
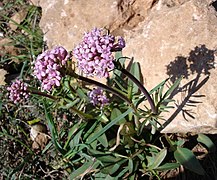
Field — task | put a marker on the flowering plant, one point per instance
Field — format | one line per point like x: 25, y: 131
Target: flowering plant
x: 110, y: 132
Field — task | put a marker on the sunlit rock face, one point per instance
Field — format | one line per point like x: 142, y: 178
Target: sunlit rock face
x: 169, y: 38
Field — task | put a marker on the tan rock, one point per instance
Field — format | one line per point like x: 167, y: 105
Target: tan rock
x: 7, y: 47
x: 2, y: 77
x: 17, y: 18
x: 64, y: 22
x: 180, y: 40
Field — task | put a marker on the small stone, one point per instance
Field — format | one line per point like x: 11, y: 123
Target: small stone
x: 2, y: 77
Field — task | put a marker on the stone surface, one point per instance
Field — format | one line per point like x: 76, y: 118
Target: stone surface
x: 64, y: 22
x: 168, y: 38
x: 2, y: 77
x: 180, y: 40
x: 17, y: 18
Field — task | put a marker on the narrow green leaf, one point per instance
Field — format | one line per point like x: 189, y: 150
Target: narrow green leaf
x: 121, y: 174
x: 158, y: 86
x: 47, y: 147
x: 89, y: 132
x: 115, y: 113
x: 185, y: 157
x: 76, y: 139
x: 115, y: 121
x: 81, y: 93
x: 135, y: 71
x: 172, y: 88
x: 70, y: 103
x: 130, y: 165
x: 158, y: 159
x: 167, y: 166
x: 202, y: 138
x: 120, y: 83
x: 114, y: 168
x: 104, y: 156
x: 53, y: 130
x: 81, y: 171
x: 71, y: 132
x: 100, y: 176
x: 103, y: 139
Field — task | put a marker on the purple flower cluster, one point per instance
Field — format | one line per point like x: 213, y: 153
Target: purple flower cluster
x: 18, y: 91
x: 94, y: 53
x: 48, y: 66
x: 97, y: 97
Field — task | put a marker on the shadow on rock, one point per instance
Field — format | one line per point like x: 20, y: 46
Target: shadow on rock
x: 199, y: 62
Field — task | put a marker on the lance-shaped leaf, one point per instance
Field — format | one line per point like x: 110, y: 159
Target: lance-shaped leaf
x: 158, y: 159
x: 186, y: 157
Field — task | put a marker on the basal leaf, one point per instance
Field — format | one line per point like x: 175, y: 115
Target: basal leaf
x: 158, y: 159
x: 186, y: 157
x: 81, y: 171
x: 167, y: 166
x: 202, y: 138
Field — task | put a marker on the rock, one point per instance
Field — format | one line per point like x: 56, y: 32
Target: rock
x: 64, y: 22
x: 169, y: 38
x: 2, y: 77
x: 38, y: 134
x: 17, y: 18
x: 180, y: 40
x: 7, y: 47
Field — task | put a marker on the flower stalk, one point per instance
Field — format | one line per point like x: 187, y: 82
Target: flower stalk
x: 79, y: 113
x: 41, y: 94
x: 141, y: 87
x: 103, y: 86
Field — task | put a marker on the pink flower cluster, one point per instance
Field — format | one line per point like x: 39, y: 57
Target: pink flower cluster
x: 48, y: 67
x: 94, y: 53
x: 18, y: 91
x: 97, y: 97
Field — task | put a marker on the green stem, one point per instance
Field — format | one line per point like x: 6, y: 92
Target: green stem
x: 141, y: 87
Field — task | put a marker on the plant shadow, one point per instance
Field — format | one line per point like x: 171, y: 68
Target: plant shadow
x: 198, y: 63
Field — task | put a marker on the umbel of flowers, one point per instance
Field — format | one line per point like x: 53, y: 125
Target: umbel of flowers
x: 48, y: 67
x: 94, y: 53
x: 97, y: 97
x: 18, y: 91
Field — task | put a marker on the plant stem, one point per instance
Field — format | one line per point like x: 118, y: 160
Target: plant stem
x: 79, y: 113
x: 103, y: 86
x: 141, y: 87
x: 41, y: 94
